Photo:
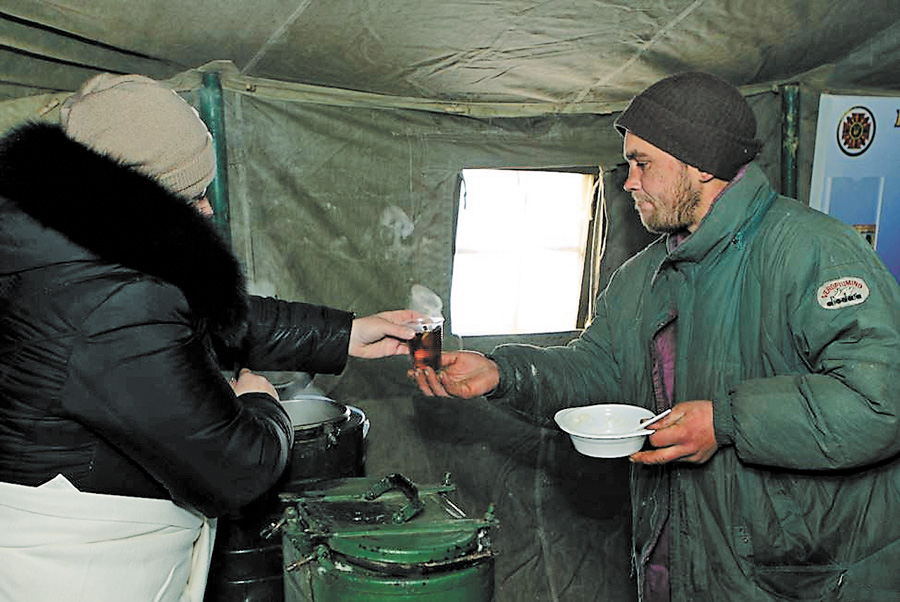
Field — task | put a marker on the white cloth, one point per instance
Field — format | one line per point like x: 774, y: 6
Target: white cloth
x: 57, y: 543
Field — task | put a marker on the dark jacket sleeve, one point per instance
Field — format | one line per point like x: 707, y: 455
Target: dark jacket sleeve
x: 146, y: 382
x: 292, y: 336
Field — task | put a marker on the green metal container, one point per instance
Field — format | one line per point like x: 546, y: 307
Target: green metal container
x: 370, y: 539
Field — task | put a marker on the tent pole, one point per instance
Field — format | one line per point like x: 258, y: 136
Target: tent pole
x: 212, y: 111
x: 790, y: 139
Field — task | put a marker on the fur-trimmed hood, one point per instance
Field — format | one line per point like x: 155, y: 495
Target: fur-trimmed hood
x: 124, y: 217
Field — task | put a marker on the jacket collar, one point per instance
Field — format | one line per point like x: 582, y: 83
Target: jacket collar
x: 743, y: 201
x: 124, y: 217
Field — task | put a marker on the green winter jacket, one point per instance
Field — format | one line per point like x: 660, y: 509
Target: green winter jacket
x: 790, y: 323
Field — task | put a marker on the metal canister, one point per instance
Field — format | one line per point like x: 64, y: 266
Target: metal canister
x: 329, y: 442
x: 366, y: 539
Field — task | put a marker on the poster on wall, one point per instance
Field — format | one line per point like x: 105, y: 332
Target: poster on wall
x: 856, y: 169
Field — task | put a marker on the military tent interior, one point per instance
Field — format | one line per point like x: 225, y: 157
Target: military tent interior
x: 345, y: 125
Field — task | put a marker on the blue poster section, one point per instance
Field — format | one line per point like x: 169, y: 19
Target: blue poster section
x: 856, y: 169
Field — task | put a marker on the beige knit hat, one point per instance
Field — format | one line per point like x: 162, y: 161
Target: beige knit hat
x: 141, y: 123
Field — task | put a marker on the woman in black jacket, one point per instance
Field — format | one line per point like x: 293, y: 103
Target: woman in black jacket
x: 120, y: 307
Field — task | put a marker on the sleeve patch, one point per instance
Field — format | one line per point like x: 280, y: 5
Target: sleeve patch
x: 842, y: 292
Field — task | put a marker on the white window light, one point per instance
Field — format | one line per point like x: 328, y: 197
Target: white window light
x: 520, y: 250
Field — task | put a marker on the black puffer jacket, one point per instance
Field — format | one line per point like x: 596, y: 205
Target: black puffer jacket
x: 119, y: 308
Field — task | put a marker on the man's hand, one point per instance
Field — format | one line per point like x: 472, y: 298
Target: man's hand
x: 464, y: 374
x: 685, y: 435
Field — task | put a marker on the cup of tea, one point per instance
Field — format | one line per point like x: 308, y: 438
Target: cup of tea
x: 425, y: 346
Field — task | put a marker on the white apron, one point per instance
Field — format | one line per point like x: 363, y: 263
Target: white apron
x: 57, y: 543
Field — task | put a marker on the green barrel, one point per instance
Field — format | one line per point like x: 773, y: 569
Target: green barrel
x: 368, y: 540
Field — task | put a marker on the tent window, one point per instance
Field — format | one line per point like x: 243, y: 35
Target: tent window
x: 521, y: 242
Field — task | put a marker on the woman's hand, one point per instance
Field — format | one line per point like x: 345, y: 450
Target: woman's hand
x: 382, y: 334
x: 250, y: 382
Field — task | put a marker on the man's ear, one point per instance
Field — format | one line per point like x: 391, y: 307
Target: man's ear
x: 706, y: 177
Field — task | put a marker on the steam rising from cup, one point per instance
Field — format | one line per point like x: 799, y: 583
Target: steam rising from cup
x: 424, y: 300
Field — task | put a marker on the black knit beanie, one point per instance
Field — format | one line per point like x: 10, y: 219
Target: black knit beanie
x: 697, y: 118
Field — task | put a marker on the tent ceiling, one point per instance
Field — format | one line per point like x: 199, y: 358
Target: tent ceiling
x: 564, y: 52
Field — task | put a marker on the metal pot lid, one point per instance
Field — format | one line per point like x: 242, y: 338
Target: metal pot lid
x: 314, y: 410
x: 389, y: 521
x: 416, y: 546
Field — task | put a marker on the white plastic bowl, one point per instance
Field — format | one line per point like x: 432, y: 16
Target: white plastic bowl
x: 606, y: 430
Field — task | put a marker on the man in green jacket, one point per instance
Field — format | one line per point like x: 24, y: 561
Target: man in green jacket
x: 773, y: 332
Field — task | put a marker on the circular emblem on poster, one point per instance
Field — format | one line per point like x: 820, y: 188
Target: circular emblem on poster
x: 856, y: 131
